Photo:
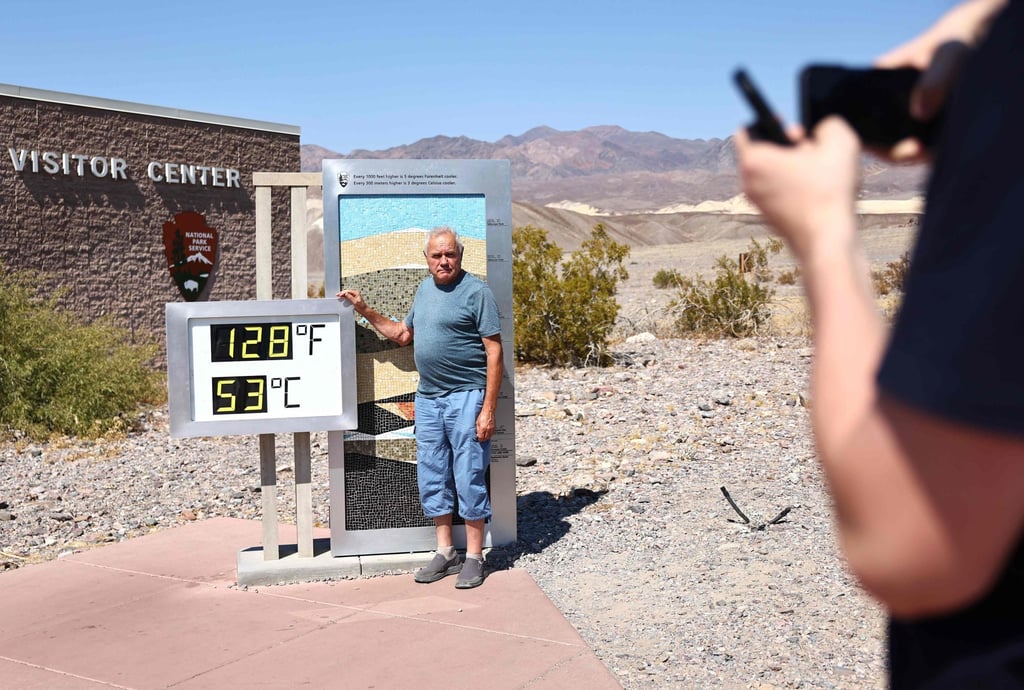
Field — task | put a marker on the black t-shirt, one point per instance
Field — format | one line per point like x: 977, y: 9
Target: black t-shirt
x: 957, y: 346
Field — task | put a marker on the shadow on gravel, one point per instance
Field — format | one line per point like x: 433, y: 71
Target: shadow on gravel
x: 540, y: 523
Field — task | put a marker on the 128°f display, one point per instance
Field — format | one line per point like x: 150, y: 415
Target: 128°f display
x: 260, y: 367
x: 247, y: 341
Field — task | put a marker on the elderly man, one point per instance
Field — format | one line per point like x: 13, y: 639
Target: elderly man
x: 459, y: 360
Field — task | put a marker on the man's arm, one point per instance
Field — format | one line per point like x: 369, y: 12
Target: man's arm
x: 485, y: 423
x: 395, y: 331
x: 927, y: 510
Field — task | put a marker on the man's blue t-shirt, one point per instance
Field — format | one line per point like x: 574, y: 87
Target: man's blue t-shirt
x: 449, y: 322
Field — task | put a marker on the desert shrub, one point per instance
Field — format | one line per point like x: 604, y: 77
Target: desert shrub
x: 732, y: 304
x: 893, y: 277
x: 564, y: 309
x: 789, y: 277
x: 667, y: 278
x: 59, y: 375
x: 759, y: 254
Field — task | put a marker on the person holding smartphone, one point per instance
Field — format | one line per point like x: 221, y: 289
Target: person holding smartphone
x: 920, y: 430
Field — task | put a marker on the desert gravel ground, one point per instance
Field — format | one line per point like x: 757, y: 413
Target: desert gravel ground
x: 622, y: 519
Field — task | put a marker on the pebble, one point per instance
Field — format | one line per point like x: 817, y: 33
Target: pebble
x: 621, y: 517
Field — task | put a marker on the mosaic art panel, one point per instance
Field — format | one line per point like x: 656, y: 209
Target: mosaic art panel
x: 381, y: 240
x: 378, y: 473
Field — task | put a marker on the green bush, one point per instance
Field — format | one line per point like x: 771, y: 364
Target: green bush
x: 564, y: 310
x: 667, y: 278
x: 60, y: 376
x: 733, y: 304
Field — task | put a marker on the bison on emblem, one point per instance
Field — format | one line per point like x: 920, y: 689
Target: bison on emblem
x: 191, y: 248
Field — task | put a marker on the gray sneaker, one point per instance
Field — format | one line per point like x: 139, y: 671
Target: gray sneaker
x: 438, y: 567
x: 472, y: 574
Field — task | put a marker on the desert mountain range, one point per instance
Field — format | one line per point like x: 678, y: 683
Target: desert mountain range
x: 646, y: 187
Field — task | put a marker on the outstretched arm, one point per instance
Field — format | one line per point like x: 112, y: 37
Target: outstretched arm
x: 395, y: 331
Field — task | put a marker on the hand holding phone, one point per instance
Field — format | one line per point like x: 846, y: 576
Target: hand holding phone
x: 766, y: 126
x: 875, y: 102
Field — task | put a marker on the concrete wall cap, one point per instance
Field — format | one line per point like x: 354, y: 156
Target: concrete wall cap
x: 142, y: 109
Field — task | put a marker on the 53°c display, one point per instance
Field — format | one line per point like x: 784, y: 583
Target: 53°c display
x: 260, y: 367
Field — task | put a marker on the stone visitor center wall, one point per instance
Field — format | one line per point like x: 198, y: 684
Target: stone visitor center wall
x: 129, y: 206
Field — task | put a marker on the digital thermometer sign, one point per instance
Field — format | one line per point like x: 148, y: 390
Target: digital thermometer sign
x: 260, y: 367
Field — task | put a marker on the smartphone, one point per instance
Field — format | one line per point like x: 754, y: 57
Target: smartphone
x: 875, y: 102
x: 766, y: 126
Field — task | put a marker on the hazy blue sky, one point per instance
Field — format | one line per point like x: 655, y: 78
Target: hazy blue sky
x: 375, y: 74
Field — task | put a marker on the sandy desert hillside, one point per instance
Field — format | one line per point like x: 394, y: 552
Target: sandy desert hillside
x: 615, y: 171
x: 697, y: 232
x: 649, y: 191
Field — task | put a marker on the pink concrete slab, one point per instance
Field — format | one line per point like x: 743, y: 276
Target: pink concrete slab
x: 160, y: 610
x: 164, y: 638
x: 509, y: 601
x: 583, y: 670
x: 203, y: 551
x: 364, y: 592
x: 28, y: 677
x: 47, y: 596
x: 403, y: 653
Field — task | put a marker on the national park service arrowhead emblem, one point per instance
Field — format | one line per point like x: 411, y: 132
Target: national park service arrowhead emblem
x: 191, y: 248
x: 343, y: 179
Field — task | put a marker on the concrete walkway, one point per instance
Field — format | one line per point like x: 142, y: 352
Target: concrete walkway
x: 164, y: 611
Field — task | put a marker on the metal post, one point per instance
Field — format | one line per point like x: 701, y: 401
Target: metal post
x: 268, y: 490
x: 298, y: 182
x: 300, y: 272
x: 303, y: 495
x: 264, y: 258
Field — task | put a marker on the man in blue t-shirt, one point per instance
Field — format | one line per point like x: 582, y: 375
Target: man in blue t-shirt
x: 459, y: 359
x: 921, y: 430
